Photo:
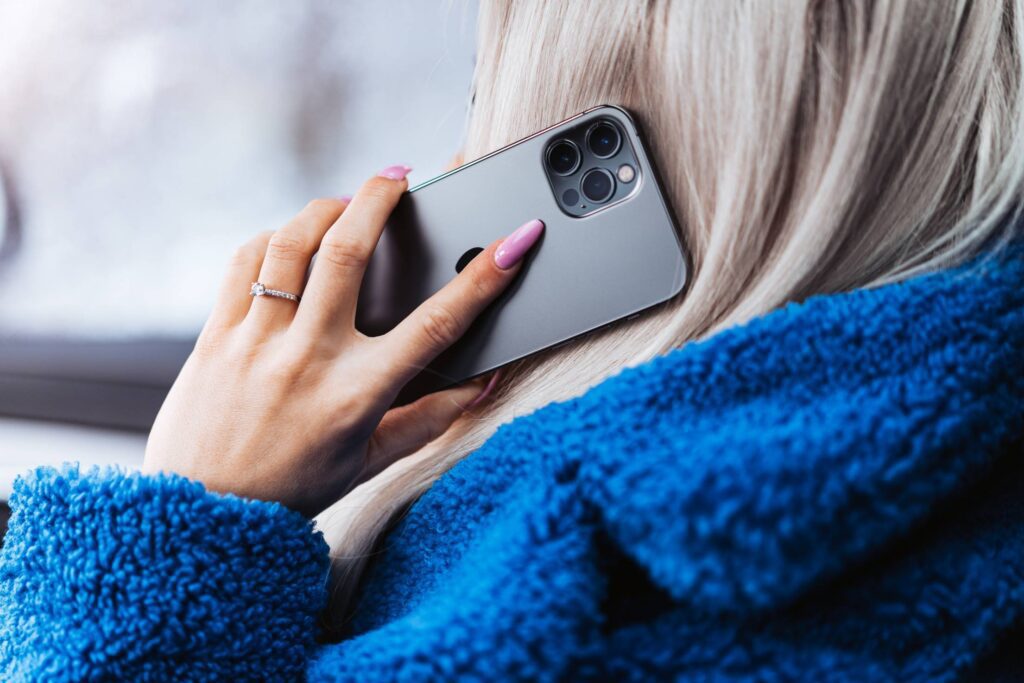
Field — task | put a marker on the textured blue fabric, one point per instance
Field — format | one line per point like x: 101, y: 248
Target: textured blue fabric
x: 831, y: 492
x: 107, y: 576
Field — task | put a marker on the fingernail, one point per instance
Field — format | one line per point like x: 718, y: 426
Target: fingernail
x: 482, y: 396
x: 347, y: 198
x: 396, y: 172
x: 514, y: 247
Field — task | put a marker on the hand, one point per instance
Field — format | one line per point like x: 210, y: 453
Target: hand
x: 289, y: 402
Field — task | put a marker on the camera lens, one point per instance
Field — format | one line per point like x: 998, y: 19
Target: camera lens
x: 597, y: 185
x: 604, y: 139
x: 563, y: 157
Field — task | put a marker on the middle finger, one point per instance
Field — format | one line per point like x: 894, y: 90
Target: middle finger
x: 334, y: 281
x: 288, y: 255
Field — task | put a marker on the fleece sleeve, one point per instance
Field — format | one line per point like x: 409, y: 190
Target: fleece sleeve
x: 112, y: 576
x: 779, y: 454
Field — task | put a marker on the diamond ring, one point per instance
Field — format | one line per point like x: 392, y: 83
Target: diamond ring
x: 260, y: 289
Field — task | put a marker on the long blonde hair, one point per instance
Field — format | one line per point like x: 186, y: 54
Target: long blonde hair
x: 808, y: 146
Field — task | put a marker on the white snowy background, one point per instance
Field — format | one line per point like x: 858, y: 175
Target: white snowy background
x: 143, y: 141
x: 146, y: 139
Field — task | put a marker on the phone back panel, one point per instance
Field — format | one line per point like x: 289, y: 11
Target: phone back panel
x: 584, y: 273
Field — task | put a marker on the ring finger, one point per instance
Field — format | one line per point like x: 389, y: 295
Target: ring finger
x: 289, y: 253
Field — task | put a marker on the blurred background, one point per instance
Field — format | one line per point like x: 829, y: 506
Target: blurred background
x: 140, y: 143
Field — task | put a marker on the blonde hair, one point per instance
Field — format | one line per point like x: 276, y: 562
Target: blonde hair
x: 808, y: 146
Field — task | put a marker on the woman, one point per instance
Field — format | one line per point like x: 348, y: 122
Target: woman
x: 823, y: 491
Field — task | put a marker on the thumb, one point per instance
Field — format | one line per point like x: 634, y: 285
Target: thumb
x: 406, y: 429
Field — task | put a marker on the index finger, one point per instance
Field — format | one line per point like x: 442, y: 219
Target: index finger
x: 333, y: 288
x: 442, y: 319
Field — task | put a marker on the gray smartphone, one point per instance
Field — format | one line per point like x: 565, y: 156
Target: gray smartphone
x: 610, y: 247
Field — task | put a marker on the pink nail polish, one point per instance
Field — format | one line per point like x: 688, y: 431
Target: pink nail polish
x: 514, y: 248
x: 346, y: 198
x: 396, y: 172
x: 482, y: 396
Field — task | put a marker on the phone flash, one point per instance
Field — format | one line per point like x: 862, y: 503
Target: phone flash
x: 626, y: 173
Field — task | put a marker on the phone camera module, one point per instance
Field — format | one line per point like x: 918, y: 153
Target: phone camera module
x: 563, y: 157
x: 597, y: 185
x: 604, y: 140
x: 590, y: 165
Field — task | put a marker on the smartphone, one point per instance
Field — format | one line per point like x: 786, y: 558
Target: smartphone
x: 610, y: 247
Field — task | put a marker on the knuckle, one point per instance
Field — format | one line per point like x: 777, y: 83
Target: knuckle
x: 249, y: 252
x: 343, y: 251
x: 321, y: 206
x: 441, y: 326
x: 242, y: 256
x: 427, y: 430
x: 379, y: 189
x: 243, y: 352
x: 347, y: 410
x: 480, y: 282
x: 287, y: 247
x: 287, y: 369
x: 433, y: 430
x: 209, y: 343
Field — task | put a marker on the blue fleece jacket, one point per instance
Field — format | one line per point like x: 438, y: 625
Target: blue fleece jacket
x: 834, y: 491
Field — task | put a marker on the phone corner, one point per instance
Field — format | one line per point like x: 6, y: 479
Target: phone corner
x: 619, y: 109
x: 681, y: 277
